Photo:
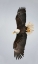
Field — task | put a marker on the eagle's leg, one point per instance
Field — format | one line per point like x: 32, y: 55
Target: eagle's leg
x: 16, y: 31
x: 29, y: 28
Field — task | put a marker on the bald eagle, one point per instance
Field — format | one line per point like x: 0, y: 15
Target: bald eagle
x: 21, y: 33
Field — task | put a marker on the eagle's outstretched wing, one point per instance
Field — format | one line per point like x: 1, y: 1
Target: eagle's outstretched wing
x: 21, y: 18
x: 19, y: 45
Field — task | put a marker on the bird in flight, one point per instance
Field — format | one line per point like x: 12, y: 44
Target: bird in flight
x: 21, y: 33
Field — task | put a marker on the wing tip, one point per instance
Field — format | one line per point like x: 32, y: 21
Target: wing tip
x: 18, y: 55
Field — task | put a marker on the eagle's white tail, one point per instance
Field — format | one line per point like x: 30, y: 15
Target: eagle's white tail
x: 29, y: 28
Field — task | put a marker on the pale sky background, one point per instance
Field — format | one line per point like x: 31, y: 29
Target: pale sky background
x: 8, y: 11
